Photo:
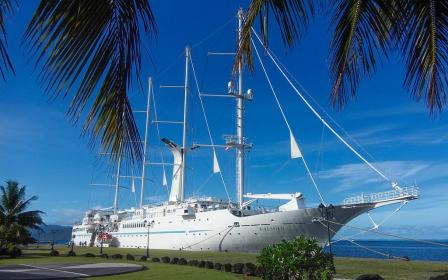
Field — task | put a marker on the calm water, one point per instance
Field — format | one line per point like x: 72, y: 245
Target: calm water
x: 411, y: 249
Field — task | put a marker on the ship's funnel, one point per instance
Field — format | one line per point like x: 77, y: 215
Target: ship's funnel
x: 177, y: 170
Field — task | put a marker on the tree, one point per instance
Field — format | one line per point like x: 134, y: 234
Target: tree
x: 301, y: 258
x: 15, y: 221
x: 366, y: 32
x: 89, y: 51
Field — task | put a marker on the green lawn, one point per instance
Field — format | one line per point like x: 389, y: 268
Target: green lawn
x: 346, y: 267
x: 389, y: 269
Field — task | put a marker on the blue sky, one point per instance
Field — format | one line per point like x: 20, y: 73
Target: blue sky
x: 43, y: 150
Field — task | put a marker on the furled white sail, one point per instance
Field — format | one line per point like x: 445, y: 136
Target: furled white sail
x: 295, y: 151
x: 216, y: 168
x: 133, y: 184
x: 164, y: 182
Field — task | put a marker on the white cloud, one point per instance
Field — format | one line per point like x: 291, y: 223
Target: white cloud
x: 358, y: 175
x: 430, y: 136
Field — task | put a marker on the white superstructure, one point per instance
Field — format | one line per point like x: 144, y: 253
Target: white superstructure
x: 210, y: 224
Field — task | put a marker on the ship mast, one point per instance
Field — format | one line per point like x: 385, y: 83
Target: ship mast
x: 184, y: 128
x: 240, y: 139
x: 117, y: 185
x: 145, y: 143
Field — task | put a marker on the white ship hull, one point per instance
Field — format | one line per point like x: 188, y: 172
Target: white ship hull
x: 220, y: 230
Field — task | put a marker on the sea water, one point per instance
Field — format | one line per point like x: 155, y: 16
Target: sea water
x: 383, y: 249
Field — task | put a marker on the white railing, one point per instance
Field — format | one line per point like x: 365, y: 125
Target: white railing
x: 403, y: 193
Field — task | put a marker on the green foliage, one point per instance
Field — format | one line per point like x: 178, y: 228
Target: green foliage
x: 300, y: 258
x: 227, y: 267
x: 91, y: 50
x: 6, y: 9
x: 54, y: 253
x: 10, y: 250
x: 143, y: 258
x: 369, y: 277
x: 15, y: 221
x: 117, y: 256
x: 364, y: 33
x: 71, y: 254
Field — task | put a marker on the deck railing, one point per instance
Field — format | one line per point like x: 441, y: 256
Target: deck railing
x: 403, y: 193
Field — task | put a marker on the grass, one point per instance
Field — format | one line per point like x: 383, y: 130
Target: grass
x: 348, y: 268
x: 389, y: 269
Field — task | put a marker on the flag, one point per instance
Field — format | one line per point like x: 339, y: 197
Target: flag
x: 133, y: 184
x: 295, y: 151
x: 216, y: 168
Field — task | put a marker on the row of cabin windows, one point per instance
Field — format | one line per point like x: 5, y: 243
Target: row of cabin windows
x: 134, y: 225
x: 134, y: 235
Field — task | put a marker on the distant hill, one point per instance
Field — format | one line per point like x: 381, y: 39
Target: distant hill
x: 62, y: 234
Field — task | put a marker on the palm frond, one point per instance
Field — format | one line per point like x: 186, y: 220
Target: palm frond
x: 292, y: 17
x: 6, y: 8
x: 425, y: 49
x: 91, y: 50
x: 362, y: 35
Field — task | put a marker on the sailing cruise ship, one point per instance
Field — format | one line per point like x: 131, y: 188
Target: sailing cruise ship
x: 210, y: 224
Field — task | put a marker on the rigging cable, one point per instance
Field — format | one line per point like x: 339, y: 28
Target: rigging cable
x: 318, y: 115
x: 365, y: 247
x: 375, y: 225
x: 322, y: 109
x: 286, y: 122
x: 207, y: 125
x: 391, y: 234
x: 158, y: 135
x: 213, y: 33
x: 319, y: 164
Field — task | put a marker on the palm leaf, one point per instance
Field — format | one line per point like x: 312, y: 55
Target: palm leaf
x: 6, y: 8
x: 425, y: 47
x: 90, y: 50
x: 362, y: 35
x: 292, y: 17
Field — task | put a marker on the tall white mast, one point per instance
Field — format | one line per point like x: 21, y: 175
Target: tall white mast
x: 184, y: 131
x: 240, y: 123
x: 145, y: 143
x: 117, y: 185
